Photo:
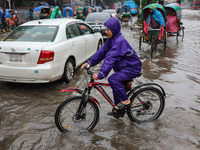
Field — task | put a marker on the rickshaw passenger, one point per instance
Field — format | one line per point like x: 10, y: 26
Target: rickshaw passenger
x: 156, y: 20
x: 44, y: 14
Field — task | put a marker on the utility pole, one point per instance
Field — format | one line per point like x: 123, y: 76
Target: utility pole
x: 3, y: 4
x: 140, y: 7
x: 9, y: 4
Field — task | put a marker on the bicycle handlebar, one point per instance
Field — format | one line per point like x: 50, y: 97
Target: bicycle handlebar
x: 88, y: 70
x: 149, y: 28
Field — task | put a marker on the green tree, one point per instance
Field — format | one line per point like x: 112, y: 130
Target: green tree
x: 145, y: 2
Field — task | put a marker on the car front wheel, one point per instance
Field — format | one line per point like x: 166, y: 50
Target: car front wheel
x: 69, y: 70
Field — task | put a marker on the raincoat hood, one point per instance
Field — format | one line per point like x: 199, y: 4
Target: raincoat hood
x: 53, y: 14
x: 56, y: 8
x: 114, y: 25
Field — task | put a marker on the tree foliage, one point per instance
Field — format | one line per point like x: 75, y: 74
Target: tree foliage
x: 145, y: 2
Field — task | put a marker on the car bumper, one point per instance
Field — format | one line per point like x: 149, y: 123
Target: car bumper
x: 38, y: 74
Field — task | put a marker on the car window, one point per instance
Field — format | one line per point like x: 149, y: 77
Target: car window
x: 84, y: 28
x: 99, y: 17
x: 110, y: 11
x: 33, y: 34
x: 72, y: 31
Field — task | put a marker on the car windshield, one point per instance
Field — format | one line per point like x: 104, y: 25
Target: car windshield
x: 33, y: 34
x: 96, y: 17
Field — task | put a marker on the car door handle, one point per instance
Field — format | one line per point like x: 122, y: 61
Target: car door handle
x: 86, y: 39
x: 73, y: 44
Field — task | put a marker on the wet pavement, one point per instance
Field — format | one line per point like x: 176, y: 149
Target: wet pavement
x: 27, y: 110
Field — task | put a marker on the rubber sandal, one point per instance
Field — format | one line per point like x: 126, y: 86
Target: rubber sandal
x: 121, y: 106
x: 110, y: 113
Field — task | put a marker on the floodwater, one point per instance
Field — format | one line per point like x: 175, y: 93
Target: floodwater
x: 27, y: 110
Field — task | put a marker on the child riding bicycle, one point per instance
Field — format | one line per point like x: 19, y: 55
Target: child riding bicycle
x: 118, y: 55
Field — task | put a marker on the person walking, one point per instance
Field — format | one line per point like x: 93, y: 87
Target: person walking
x: 1, y: 27
x: 17, y: 19
x: 11, y: 23
x: 56, y: 13
x: 4, y: 21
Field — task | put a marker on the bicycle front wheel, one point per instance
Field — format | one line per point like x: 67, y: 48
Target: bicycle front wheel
x: 147, y: 104
x: 67, y: 119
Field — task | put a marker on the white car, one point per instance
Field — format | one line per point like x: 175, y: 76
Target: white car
x: 46, y: 50
x: 112, y: 12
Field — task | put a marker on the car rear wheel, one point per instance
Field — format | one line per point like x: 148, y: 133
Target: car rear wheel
x: 69, y: 70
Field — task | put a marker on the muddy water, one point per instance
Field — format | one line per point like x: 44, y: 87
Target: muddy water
x: 27, y: 110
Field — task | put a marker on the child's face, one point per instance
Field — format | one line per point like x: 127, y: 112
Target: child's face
x: 109, y: 33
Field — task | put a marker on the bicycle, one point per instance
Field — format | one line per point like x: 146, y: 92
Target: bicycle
x: 80, y: 113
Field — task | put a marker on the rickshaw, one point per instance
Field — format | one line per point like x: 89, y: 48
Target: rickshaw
x: 133, y: 7
x: 119, y: 13
x: 81, y: 13
x: 126, y: 14
x: 150, y: 35
x: 67, y: 12
x: 97, y: 9
x: 38, y: 10
x: 174, y: 26
x: 89, y: 9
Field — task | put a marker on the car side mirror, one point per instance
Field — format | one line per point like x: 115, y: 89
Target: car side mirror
x: 96, y: 30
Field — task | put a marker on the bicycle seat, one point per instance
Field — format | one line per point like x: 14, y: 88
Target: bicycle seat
x: 128, y: 84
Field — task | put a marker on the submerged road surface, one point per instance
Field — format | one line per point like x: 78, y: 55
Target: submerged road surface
x: 27, y: 110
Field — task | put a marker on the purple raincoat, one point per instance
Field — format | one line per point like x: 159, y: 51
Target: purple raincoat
x: 119, y: 56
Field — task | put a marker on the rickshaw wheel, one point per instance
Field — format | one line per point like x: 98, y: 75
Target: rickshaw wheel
x: 180, y: 34
x: 140, y: 43
x: 165, y: 40
x: 165, y: 44
x: 152, y: 48
x: 182, y: 29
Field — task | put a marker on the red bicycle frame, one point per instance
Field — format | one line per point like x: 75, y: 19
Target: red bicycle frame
x: 98, y: 86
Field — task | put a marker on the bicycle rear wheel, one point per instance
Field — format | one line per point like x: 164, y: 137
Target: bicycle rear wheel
x: 66, y: 118
x: 147, y: 104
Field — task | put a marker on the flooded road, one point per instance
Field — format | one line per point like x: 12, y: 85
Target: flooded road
x: 27, y: 110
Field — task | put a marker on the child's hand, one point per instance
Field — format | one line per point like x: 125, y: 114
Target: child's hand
x: 95, y: 76
x: 84, y: 65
